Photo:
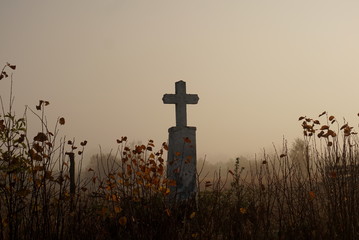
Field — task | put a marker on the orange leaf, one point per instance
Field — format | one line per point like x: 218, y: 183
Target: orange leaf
x: 195, y: 235
x: 129, y: 168
x: 123, y: 221
x: 331, y: 133
x: 114, y: 198
x: 165, y: 146
x: 172, y: 183
x: 312, y: 195
x: 322, y: 113
x: 40, y: 137
x: 62, y: 121
x: 344, y: 126
x: 117, y: 209
x: 243, y: 210
x: 188, y: 159
x: 168, y: 212
x: 187, y: 140
x: 324, y: 127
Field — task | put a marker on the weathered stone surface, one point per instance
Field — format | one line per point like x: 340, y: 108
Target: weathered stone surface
x: 181, y: 162
x: 182, y: 156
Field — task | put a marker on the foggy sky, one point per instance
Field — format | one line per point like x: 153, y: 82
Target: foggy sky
x: 256, y: 66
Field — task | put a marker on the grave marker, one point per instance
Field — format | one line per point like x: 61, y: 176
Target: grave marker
x: 182, y: 158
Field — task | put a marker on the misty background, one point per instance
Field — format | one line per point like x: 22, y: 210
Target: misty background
x: 256, y: 66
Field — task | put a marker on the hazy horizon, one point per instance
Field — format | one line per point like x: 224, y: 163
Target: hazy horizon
x: 256, y: 66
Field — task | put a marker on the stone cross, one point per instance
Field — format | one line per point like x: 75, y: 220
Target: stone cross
x: 181, y: 157
x: 181, y: 99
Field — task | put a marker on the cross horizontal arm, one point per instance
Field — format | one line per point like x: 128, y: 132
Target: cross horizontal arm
x: 175, y: 98
x: 170, y: 98
x: 191, y: 99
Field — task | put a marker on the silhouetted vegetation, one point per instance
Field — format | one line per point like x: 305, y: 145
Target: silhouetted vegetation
x: 306, y: 192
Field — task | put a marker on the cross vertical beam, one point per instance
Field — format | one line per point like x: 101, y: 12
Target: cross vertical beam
x: 181, y: 99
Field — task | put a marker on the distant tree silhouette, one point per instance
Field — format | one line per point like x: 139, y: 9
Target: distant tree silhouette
x: 299, y: 157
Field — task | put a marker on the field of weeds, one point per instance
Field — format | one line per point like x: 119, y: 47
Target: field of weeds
x: 306, y: 192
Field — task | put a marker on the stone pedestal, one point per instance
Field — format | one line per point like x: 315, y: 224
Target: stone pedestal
x: 181, y: 162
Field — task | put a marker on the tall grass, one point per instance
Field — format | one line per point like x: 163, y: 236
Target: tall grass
x: 307, y: 193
